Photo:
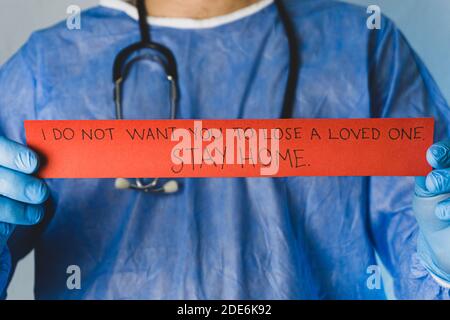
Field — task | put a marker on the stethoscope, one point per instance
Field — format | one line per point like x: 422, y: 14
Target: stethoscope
x: 164, y: 56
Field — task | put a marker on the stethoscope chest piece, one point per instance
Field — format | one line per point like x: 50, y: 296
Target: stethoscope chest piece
x: 168, y: 187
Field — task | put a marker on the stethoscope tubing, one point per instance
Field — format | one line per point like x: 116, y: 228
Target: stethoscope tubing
x: 122, y: 67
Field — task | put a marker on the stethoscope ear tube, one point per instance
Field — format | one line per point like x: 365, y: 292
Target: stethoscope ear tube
x: 143, y: 25
x: 294, y: 62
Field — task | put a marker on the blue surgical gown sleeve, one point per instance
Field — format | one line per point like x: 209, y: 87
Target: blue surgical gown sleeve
x: 401, y: 86
x: 17, y: 102
x: 5, y: 270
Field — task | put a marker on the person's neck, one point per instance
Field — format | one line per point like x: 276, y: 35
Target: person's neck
x: 194, y: 9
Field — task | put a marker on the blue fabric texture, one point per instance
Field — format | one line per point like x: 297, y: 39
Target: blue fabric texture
x: 5, y: 269
x: 260, y: 238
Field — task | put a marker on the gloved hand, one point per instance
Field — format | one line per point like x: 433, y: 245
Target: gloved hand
x: 21, y: 195
x: 432, y: 209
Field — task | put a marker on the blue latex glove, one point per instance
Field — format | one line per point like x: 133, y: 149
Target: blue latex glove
x: 21, y: 196
x: 432, y: 209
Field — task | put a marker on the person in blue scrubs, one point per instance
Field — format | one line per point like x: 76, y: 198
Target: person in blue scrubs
x: 223, y: 238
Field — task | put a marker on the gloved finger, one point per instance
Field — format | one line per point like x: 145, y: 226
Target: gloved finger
x: 442, y: 210
x: 22, y: 187
x: 438, y: 155
x: 420, y: 188
x: 438, y: 181
x: 15, y: 212
x: 17, y: 157
x: 6, y: 230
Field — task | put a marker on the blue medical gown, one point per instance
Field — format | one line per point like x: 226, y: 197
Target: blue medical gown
x: 281, y: 238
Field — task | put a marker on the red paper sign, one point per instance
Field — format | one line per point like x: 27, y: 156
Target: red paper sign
x: 231, y: 148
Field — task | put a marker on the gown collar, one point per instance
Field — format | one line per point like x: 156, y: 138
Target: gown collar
x: 186, y: 23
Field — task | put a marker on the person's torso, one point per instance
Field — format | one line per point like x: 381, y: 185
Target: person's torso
x: 216, y: 238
